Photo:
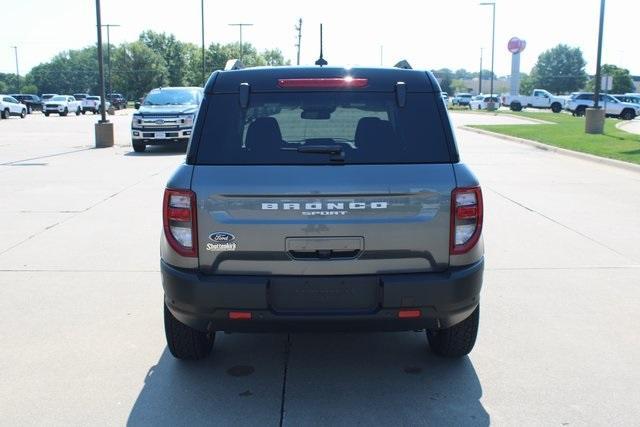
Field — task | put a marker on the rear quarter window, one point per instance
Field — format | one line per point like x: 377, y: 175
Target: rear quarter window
x: 368, y: 127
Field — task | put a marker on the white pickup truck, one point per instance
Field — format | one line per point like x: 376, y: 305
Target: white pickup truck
x: 540, y: 98
x: 62, y: 105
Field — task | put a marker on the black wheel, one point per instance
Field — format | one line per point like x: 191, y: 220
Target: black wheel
x: 5, y: 114
x: 46, y: 114
x: 515, y: 106
x: 138, y: 147
x: 84, y: 112
x: 66, y: 111
x: 628, y: 114
x: 458, y: 340
x: 580, y: 111
x: 29, y: 109
x: 23, y: 113
x: 185, y: 342
x: 78, y: 111
x: 556, y: 107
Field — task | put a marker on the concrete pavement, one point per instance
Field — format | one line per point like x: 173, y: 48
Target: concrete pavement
x: 81, y: 303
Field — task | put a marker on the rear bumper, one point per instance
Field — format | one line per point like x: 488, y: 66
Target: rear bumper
x: 204, y: 302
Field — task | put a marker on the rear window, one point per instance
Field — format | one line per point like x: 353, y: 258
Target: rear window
x: 300, y: 127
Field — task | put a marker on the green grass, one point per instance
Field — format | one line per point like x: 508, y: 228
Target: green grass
x: 568, y: 132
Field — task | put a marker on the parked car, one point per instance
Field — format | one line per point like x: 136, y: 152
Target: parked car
x: 117, y: 100
x: 9, y: 106
x: 33, y: 102
x: 481, y: 102
x: 579, y: 103
x: 461, y: 99
x: 309, y: 200
x: 62, y: 105
x: 539, y: 98
x: 93, y: 104
x: 82, y: 97
x: 631, y: 99
x: 46, y: 96
x: 166, y: 115
x: 445, y: 98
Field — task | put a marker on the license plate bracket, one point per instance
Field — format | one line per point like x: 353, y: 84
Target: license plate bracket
x: 324, y: 294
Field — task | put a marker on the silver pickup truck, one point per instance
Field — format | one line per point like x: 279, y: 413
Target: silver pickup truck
x: 165, y: 115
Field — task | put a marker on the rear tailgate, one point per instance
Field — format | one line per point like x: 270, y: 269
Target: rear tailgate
x: 323, y: 220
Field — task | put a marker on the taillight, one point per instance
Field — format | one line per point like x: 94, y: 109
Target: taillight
x: 466, y: 219
x: 340, y: 82
x: 179, y: 218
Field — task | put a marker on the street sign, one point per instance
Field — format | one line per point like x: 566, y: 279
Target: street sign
x: 607, y: 83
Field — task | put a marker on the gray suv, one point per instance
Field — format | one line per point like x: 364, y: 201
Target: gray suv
x: 322, y: 198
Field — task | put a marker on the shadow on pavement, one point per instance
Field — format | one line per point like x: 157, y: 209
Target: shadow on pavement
x: 331, y: 379
x: 160, y: 150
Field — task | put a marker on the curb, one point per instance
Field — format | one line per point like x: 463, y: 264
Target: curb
x: 575, y: 154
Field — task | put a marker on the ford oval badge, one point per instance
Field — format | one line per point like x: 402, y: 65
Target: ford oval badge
x: 222, y: 237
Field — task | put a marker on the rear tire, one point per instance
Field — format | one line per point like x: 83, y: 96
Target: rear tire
x: 23, y: 113
x: 556, y: 107
x: 46, y: 114
x: 183, y: 341
x: 628, y: 115
x: 580, y: 111
x: 515, y: 106
x: 458, y: 340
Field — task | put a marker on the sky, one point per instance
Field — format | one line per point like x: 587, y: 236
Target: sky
x: 429, y: 34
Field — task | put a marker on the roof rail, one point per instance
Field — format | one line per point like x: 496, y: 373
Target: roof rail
x: 233, y: 64
x: 404, y: 64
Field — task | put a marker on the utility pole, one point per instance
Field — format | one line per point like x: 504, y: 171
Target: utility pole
x: 240, y: 27
x: 493, y: 46
x: 15, y: 49
x: 594, y: 117
x: 299, y: 30
x: 203, y: 66
x: 480, y: 78
x: 104, y: 128
x: 109, y: 53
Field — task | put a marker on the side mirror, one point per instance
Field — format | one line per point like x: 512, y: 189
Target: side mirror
x: 136, y: 105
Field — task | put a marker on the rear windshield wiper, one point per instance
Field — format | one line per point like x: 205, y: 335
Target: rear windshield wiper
x: 335, y: 151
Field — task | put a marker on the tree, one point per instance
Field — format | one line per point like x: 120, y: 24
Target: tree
x: 3, y: 87
x: 527, y: 85
x: 172, y: 51
x: 560, y: 70
x: 138, y: 69
x: 29, y: 88
x: 622, y: 82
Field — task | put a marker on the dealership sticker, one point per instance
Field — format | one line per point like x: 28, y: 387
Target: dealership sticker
x: 221, y: 247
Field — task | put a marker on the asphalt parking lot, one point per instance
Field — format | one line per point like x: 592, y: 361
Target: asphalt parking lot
x: 81, y: 303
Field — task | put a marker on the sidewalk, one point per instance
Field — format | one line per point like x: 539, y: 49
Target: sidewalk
x: 632, y: 126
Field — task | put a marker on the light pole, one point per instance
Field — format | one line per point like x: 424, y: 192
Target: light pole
x: 15, y: 49
x: 240, y: 27
x: 480, y: 76
x: 594, y: 117
x: 109, y: 53
x: 202, y: 16
x: 491, y: 105
x: 104, y: 128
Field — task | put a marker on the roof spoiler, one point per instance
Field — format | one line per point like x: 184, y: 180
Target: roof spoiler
x: 404, y: 64
x: 233, y: 64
